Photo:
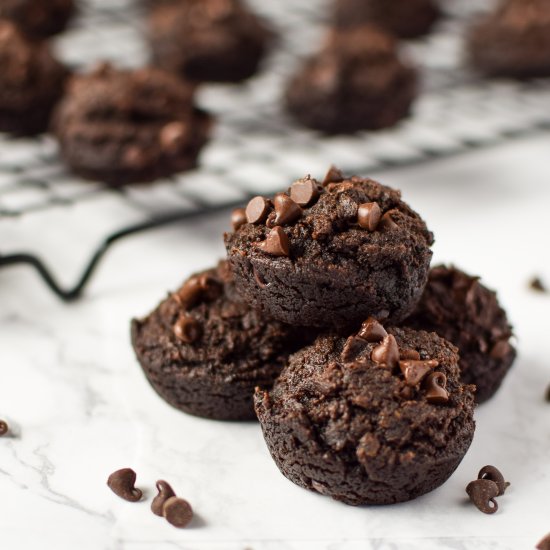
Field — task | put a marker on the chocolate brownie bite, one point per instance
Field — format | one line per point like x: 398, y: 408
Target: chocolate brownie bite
x: 404, y: 18
x: 513, y: 41
x: 123, y: 126
x: 330, y: 255
x: 31, y: 82
x: 377, y: 418
x: 204, y: 350
x: 356, y: 82
x: 459, y: 308
x: 38, y: 18
x: 208, y: 40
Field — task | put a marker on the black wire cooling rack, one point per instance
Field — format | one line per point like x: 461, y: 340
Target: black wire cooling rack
x: 256, y: 149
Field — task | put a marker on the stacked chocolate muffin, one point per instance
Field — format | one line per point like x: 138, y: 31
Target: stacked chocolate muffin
x: 327, y: 324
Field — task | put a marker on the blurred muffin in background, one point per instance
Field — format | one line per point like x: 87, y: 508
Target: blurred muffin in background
x: 513, y: 41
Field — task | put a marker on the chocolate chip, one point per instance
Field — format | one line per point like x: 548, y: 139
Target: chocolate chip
x: 4, y: 428
x: 260, y: 281
x: 409, y: 355
x: 387, y: 223
x: 406, y: 393
x: 354, y: 346
x: 173, y: 136
x: 287, y: 211
x: 188, y: 295
x: 537, y: 285
x: 415, y: 371
x: 544, y: 544
x: 435, y: 388
x: 122, y: 483
x: 387, y: 353
x: 333, y: 176
x: 164, y: 493
x: 276, y: 243
x: 211, y: 288
x: 493, y: 474
x: 368, y: 215
x: 238, y: 218
x: 482, y: 493
x: 187, y: 329
x: 177, y: 511
x: 257, y: 210
x: 305, y: 191
x: 501, y: 349
x: 372, y: 330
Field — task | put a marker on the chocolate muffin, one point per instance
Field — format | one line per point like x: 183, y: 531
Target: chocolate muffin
x: 459, y: 308
x: 204, y: 350
x: 38, y: 18
x: 330, y: 255
x: 208, y: 40
x: 356, y: 82
x: 377, y: 418
x: 404, y: 18
x: 31, y: 82
x: 513, y: 41
x: 123, y: 126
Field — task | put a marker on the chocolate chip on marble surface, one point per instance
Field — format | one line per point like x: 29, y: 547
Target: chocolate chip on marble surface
x: 493, y: 474
x: 372, y: 330
x: 187, y: 329
x: 304, y: 192
x: 435, y: 388
x: 122, y: 483
x: 4, y: 428
x: 238, y: 218
x: 177, y: 512
x: 368, y: 215
x: 544, y: 544
x: 165, y: 492
x: 537, y: 285
x: 286, y: 210
x: 276, y: 243
x: 415, y: 371
x: 333, y: 176
x: 387, y: 353
x: 482, y: 493
x: 257, y: 210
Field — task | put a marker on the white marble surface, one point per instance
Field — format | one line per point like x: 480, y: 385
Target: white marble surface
x: 81, y: 408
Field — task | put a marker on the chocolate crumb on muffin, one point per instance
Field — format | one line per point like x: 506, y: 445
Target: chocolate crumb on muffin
x: 404, y: 18
x: 208, y: 40
x: 31, y: 82
x: 38, y: 18
x: 377, y: 418
x: 122, y: 126
x: 330, y: 255
x: 204, y: 350
x: 513, y: 41
x: 460, y: 309
x: 356, y: 82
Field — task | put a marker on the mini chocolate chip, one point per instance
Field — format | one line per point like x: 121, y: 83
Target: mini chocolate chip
x: 435, y: 388
x: 544, y: 544
x: 287, y: 211
x: 122, y: 483
x: 372, y: 330
x: 238, y: 218
x: 416, y: 371
x: 493, y: 474
x: 500, y: 350
x: 333, y: 176
x: 537, y: 285
x: 211, y: 287
x: 164, y: 493
x: 409, y: 355
x: 482, y: 493
x: 276, y: 243
x: 187, y: 329
x: 387, y: 223
x: 177, y: 511
x: 172, y: 136
x: 368, y: 215
x: 305, y: 191
x: 387, y: 353
x: 188, y: 295
x: 257, y: 210
x: 354, y: 346
x: 4, y: 428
